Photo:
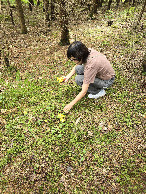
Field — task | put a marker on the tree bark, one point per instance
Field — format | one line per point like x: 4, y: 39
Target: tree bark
x: 127, y: 1
x: 46, y: 7
x: 31, y: 3
x: 38, y: 2
x: 64, y: 24
x: 0, y: 6
x: 95, y: 6
x: 52, y: 10
x: 83, y: 2
x: 11, y: 13
x: 133, y: 3
x: 109, y: 4
x: 144, y: 63
x: 21, y: 17
x: 140, y: 15
x: 118, y: 1
x: 101, y: 2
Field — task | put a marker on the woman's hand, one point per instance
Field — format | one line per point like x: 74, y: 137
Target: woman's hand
x: 66, y: 79
x: 68, y: 107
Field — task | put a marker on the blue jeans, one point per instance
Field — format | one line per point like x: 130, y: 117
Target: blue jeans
x: 95, y: 87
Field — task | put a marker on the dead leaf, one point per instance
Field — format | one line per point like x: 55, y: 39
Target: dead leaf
x: 77, y: 121
x: 3, y: 111
x: 90, y: 133
x: 2, y: 121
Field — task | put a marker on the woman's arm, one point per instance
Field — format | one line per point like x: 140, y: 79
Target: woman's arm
x: 77, y: 98
x: 71, y: 73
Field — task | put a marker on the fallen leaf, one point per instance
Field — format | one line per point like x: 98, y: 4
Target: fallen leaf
x: 77, y: 121
x: 3, y: 121
x: 90, y: 133
x: 3, y: 110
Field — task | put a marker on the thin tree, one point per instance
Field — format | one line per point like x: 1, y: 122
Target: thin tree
x: 4, y: 50
x: 140, y: 15
x: 109, y: 4
x: 31, y: 3
x: 101, y: 2
x: 118, y: 1
x: 46, y: 9
x: 0, y: 6
x: 144, y: 63
x: 133, y: 3
x: 38, y: 2
x: 82, y: 2
x: 10, y: 11
x: 52, y: 10
x: 64, y: 24
x: 127, y: 1
x: 21, y: 17
x: 95, y: 6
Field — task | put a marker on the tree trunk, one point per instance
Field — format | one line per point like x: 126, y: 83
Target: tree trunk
x: 0, y: 6
x: 83, y: 2
x: 118, y: 1
x: 52, y: 10
x: 100, y: 2
x: 21, y: 17
x: 46, y: 7
x: 95, y: 6
x: 144, y: 63
x: 127, y: 1
x: 11, y: 13
x: 38, y: 2
x: 133, y: 3
x: 31, y: 3
x: 109, y: 4
x: 6, y: 61
x: 91, y: 13
x: 4, y: 51
x: 64, y: 24
x: 140, y: 15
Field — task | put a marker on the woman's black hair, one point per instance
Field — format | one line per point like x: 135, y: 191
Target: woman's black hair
x: 79, y: 51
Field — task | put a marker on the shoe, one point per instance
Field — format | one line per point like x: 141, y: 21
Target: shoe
x: 98, y: 95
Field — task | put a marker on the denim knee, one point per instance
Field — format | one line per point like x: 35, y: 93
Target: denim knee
x: 79, y: 69
x: 79, y: 80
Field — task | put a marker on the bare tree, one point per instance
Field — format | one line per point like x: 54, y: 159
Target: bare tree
x: 0, y: 6
x: 46, y: 9
x: 83, y: 2
x: 127, y: 1
x: 64, y: 24
x: 10, y: 11
x: 52, y: 9
x: 118, y: 1
x: 109, y: 4
x: 101, y: 2
x: 31, y: 3
x: 144, y: 63
x: 95, y: 6
x: 21, y: 17
x: 140, y: 15
x: 38, y: 2
x: 92, y: 6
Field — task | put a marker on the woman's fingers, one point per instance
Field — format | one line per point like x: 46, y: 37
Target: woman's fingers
x: 66, y: 79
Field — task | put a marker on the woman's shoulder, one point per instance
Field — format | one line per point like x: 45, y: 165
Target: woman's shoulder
x: 94, y: 52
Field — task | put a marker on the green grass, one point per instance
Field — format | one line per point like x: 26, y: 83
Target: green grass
x: 33, y: 130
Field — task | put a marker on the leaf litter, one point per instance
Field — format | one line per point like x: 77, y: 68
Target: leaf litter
x: 113, y: 158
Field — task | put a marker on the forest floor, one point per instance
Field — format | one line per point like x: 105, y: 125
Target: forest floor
x: 99, y: 148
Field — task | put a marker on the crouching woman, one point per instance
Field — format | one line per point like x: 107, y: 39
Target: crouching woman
x: 94, y: 72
